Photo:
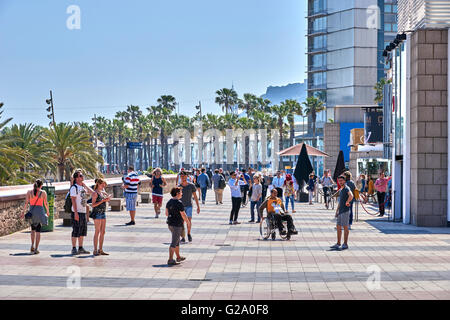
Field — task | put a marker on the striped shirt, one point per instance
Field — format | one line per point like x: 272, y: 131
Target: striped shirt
x: 132, y: 181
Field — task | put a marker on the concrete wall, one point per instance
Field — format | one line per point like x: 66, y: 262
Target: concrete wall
x: 331, y: 142
x: 11, y: 206
x: 429, y: 128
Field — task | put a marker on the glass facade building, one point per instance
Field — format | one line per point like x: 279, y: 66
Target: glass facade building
x: 346, y: 40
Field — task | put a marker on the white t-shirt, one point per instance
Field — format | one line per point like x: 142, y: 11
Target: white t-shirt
x: 81, y: 197
x: 235, y: 189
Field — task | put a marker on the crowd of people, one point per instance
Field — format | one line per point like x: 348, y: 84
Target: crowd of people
x: 90, y: 202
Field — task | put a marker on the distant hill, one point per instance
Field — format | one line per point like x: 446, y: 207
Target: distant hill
x: 295, y: 91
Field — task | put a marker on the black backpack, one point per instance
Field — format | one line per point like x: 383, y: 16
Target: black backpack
x: 68, y: 201
x: 222, y: 183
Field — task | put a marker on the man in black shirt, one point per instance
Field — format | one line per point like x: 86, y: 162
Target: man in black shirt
x: 343, y: 214
x: 175, y: 217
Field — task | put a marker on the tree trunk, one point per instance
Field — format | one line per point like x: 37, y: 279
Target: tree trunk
x: 314, y: 130
x: 61, y: 172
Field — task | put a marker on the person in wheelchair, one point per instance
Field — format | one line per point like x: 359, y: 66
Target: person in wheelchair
x: 276, y: 211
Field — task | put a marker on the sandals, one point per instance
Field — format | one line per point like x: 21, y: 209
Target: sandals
x: 103, y: 253
x: 181, y: 259
x: 32, y: 249
x: 96, y: 253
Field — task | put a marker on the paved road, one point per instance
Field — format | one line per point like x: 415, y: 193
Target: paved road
x: 231, y: 262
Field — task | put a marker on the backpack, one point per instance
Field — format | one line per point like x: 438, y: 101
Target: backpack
x: 222, y: 183
x: 68, y: 201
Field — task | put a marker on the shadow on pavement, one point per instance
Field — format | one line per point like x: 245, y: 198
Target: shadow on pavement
x: 21, y: 254
x: 61, y: 255
x: 389, y: 227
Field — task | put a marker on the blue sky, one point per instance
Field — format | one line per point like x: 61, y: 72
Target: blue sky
x: 132, y: 52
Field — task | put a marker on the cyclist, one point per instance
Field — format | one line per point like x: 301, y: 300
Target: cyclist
x: 276, y: 210
x: 327, y: 185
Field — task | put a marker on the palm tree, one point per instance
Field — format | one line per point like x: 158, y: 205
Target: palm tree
x: 313, y: 106
x: 72, y: 148
x: 226, y: 98
x: 166, y: 106
x: 35, y: 150
x: 379, y: 86
x: 248, y: 104
x: 295, y: 108
x: 280, y: 112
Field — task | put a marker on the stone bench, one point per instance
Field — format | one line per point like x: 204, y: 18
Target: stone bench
x: 116, y: 204
x: 145, y: 197
x: 67, y: 218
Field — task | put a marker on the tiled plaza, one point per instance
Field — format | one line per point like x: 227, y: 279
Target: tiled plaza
x: 232, y: 262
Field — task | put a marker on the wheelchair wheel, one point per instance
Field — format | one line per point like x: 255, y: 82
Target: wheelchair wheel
x: 264, y: 228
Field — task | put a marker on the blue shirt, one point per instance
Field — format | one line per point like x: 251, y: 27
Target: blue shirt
x: 235, y: 189
x: 203, y: 180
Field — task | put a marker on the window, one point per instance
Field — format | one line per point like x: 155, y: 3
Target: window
x: 318, y: 61
x: 387, y: 27
x: 388, y: 8
x: 394, y: 8
x: 394, y: 27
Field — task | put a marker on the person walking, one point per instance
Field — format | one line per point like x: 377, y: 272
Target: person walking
x: 381, y: 186
x: 204, y: 182
x: 311, y: 187
x: 79, y: 193
x: 130, y: 186
x: 256, y: 198
x: 37, y: 199
x: 343, y: 214
x: 188, y: 189
x: 289, y: 192
x: 235, y: 188
x: 157, y: 183
x: 99, y: 200
x: 209, y: 174
x: 266, y: 182
x: 361, y: 185
x: 197, y: 185
x: 277, y: 183
x: 327, y: 185
x: 175, y: 217
x: 219, y: 185
x: 246, y: 186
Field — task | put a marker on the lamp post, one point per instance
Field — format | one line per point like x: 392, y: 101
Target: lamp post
x: 51, y: 109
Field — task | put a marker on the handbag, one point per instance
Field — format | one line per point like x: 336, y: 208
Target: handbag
x: 29, y: 214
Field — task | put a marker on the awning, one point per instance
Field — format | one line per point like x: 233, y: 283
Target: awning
x: 295, y: 151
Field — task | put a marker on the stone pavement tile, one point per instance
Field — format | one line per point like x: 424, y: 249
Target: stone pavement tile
x: 201, y: 296
x: 322, y: 295
x: 302, y: 296
x: 342, y: 295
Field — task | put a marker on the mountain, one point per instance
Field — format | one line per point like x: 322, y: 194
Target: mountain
x: 296, y: 91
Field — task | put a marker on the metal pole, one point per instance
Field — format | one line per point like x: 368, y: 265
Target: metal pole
x: 53, y: 110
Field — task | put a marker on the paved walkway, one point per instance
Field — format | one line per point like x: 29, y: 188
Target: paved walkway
x: 231, y: 262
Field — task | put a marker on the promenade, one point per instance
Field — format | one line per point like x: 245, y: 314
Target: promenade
x: 232, y: 262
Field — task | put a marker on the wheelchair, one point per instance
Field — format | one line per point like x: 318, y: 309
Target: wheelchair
x: 268, y: 228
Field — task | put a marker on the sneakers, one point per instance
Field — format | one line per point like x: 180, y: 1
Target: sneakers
x: 336, y: 247
x: 131, y: 223
x: 82, y: 251
x: 181, y: 259
x: 189, y: 238
x: 183, y: 240
x: 172, y: 262
x: 344, y: 246
x: 36, y: 251
x: 235, y: 222
x: 74, y: 251
x: 32, y: 249
x: 251, y: 221
x: 231, y: 222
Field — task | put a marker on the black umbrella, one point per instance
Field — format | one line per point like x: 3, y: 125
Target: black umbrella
x: 340, y: 166
x: 303, y: 168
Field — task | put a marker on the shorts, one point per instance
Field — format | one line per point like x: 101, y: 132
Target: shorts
x: 130, y: 200
x: 79, y: 228
x: 100, y: 216
x: 188, y: 211
x: 176, y: 234
x: 157, y: 199
x: 343, y: 219
x: 36, y: 227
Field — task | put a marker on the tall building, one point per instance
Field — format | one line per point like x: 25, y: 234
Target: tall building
x: 346, y: 39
